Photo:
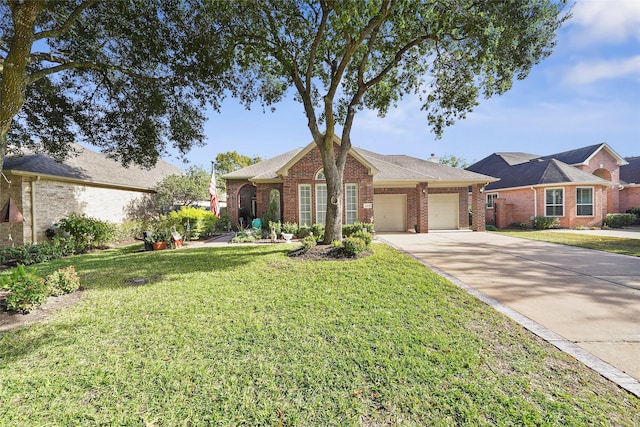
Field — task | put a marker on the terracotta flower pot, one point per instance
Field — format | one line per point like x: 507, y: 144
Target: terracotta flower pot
x: 159, y: 246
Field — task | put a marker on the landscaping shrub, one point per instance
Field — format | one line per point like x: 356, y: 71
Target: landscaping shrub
x: 349, y: 229
x: 87, y: 232
x: 545, y: 222
x: 318, y: 232
x: 26, y: 290
x: 354, y: 246
x: 63, y: 281
x: 618, y: 220
x: 308, y: 243
x: 36, y: 253
x: 244, y: 236
x: 635, y: 211
x: 490, y: 227
x: 290, y: 228
x: 364, y: 235
x: 193, y: 223
x: 303, y: 231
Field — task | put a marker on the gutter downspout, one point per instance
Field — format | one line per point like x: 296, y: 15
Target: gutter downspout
x: 535, y: 202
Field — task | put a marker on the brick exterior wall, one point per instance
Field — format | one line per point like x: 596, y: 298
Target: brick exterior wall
x: 605, y: 166
x: 629, y: 197
x: 304, y: 172
x: 515, y: 206
x: 55, y: 200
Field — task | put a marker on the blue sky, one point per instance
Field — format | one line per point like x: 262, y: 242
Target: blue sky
x: 586, y: 92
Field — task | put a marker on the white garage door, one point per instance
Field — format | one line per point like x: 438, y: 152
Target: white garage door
x: 443, y: 211
x: 390, y: 212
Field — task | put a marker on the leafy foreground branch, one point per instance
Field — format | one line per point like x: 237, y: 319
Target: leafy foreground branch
x: 245, y: 335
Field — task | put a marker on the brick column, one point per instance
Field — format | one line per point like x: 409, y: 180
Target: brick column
x: 422, y: 208
x: 477, y: 205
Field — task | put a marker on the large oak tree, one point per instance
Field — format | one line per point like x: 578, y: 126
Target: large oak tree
x: 115, y: 74
x: 343, y: 56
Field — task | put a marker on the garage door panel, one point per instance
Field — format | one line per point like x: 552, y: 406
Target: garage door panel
x: 390, y: 212
x: 443, y: 211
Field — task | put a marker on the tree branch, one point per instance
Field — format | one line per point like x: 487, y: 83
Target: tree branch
x: 71, y: 19
x: 70, y: 65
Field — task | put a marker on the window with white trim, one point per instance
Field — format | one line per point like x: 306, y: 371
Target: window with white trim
x: 351, y: 203
x: 321, y: 204
x: 554, y: 201
x: 304, y: 204
x: 491, y: 197
x: 584, y: 201
x: 320, y: 175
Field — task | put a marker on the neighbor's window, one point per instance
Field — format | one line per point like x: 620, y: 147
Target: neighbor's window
x: 304, y: 204
x: 491, y: 199
x: 584, y: 201
x: 351, y: 203
x: 321, y: 203
x: 554, y: 201
x: 320, y: 175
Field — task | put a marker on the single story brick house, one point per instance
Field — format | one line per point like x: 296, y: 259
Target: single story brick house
x: 579, y: 186
x: 46, y: 190
x: 630, y: 184
x: 395, y: 192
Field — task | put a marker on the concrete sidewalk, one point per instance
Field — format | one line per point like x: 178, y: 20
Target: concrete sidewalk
x: 585, y: 302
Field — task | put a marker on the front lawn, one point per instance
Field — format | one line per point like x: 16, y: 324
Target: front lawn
x: 244, y: 335
x: 616, y: 245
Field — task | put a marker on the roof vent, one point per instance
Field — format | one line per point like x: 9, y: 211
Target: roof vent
x: 433, y: 158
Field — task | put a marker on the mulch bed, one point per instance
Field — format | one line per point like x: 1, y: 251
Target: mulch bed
x: 10, y: 320
x: 325, y: 253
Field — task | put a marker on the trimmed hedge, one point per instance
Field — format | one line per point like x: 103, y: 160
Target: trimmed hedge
x: 618, y: 220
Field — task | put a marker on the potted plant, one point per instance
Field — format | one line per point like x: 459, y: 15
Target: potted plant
x: 159, y: 239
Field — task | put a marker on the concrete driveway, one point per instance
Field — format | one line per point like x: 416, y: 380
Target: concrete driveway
x: 583, y: 301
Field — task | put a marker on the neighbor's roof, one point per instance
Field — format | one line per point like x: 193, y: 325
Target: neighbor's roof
x: 90, y: 167
x: 384, y: 168
x: 630, y: 173
x: 582, y: 155
x: 543, y: 172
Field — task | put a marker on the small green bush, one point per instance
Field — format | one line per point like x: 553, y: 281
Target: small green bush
x: 244, y: 236
x: 318, y: 232
x: 490, y: 227
x: 354, y: 246
x: 545, y: 222
x: 26, y: 290
x: 63, y: 281
x: 87, y: 232
x: 308, y: 243
x: 39, y: 252
x: 193, y: 223
x: 290, y: 228
x: 364, y: 235
x: 618, y: 220
x: 303, y: 231
x: 635, y: 211
x: 349, y: 229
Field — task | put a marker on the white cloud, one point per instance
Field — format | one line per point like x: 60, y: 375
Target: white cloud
x: 589, y: 72
x: 606, y: 21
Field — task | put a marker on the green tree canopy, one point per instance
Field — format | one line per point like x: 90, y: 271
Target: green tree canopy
x: 115, y: 74
x: 183, y: 190
x: 454, y: 161
x: 344, y: 56
x: 231, y: 161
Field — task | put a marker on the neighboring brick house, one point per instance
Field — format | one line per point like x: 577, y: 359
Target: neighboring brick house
x: 579, y: 187
x: 630, y: 184
x: 396, y: 193
x: 46, y: 191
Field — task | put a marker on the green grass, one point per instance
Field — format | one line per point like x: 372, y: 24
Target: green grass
x: 616, y: 245
x: 244, y: 335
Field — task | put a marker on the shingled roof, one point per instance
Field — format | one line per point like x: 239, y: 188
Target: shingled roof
x: 582, y: 155
x: 384, y: 168
x: 630, y: 173
x: 90, y: 167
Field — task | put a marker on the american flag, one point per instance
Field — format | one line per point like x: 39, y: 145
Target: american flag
x: 213, y: 192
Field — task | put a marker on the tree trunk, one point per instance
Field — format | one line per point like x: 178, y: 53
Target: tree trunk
x: 24, y: 15
x: 334, y: 173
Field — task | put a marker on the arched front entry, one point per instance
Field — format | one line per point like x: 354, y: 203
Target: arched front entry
x: 246, y: 204
x: 606, y: 175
